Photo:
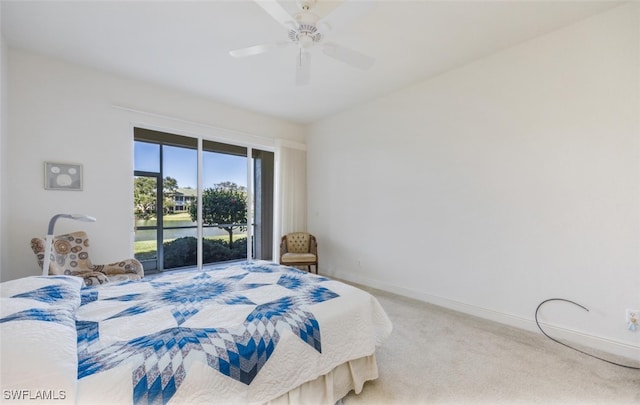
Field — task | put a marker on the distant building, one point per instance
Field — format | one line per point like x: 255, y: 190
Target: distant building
x: 183, y: 198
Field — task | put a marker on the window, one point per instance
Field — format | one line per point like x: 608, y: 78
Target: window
x: 166, y: 195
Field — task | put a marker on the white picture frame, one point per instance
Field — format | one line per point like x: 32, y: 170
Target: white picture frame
x: 62, y: 176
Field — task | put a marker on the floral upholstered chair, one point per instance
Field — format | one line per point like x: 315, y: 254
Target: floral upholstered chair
x: 70, y: 256
x: 299, y: 249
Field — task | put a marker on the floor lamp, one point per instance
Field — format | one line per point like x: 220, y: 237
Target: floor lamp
x: 49, y: 239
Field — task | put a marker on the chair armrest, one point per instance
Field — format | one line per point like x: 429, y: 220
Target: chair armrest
x: 130, y: 267
x: 283, y: 245
x: 92, y: 277
x: 313, y: 245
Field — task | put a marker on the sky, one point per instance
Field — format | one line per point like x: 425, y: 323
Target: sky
x: 182, y: 165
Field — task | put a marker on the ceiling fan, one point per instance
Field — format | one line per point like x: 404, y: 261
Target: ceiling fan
x: 307, y: 30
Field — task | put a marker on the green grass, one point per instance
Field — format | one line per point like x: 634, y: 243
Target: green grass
x: 182, y: 216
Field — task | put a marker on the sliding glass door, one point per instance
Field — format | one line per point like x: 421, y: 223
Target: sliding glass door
x: 224, y: 202
x: 168, y: 199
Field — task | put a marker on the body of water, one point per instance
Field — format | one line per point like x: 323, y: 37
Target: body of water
x: 150, y: 234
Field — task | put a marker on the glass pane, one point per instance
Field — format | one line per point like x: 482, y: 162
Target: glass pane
x: 219, y: 168
x: 146, y: 157
x: 224, y: 207
x: 145, y: 206
x: 146, y: 249
x: 262, y: 213
x: 180, y: 248
x: 180, y: 171
x: 145, y: 200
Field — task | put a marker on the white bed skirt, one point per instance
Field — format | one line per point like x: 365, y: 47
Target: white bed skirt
x: 333, y: 386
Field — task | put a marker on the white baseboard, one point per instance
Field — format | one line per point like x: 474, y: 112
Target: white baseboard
x: 596, y: 342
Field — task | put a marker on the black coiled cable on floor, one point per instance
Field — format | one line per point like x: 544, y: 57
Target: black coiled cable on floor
x: 571, y: 347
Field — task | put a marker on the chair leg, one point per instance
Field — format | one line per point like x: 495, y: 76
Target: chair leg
x: 309, y: 268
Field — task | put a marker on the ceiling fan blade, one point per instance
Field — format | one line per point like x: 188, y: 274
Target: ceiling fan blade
x: 303, y: 68
x: 278, y: 13
x: 342, y: 15
x: 257, y: 49
x: 348, y: 56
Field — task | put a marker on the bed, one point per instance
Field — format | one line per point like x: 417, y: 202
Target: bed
x: 252, y: 332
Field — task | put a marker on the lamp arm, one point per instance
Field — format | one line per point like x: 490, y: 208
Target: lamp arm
x: 47, y: 255
x: 52, y: 223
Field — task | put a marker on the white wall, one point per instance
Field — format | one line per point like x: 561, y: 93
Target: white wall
x: 500, y: 184
x: 65, y: 113
x: 4, y: 119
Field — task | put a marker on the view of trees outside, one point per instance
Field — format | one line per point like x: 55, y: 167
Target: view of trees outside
x: 224, y: 208
x: 144, y: 196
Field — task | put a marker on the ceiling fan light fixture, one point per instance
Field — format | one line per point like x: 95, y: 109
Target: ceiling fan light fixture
x: 305, y: 35
x: 305, y: 41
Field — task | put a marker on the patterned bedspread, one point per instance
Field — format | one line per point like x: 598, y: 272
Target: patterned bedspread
x: 247, y: 333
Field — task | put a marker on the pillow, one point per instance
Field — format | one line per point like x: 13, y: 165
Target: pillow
x: 54, y: 290
x: 38, y: 346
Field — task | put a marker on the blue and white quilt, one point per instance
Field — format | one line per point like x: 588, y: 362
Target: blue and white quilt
x: 247, y: 333
x: 38, y: 357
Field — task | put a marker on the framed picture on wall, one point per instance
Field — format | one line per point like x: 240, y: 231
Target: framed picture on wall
x: 62, y: 176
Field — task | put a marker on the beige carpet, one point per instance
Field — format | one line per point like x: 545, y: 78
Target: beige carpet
x: 439, y: 356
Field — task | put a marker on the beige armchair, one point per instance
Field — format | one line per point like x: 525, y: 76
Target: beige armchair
x: 70, y: 256
x: 299, y: 249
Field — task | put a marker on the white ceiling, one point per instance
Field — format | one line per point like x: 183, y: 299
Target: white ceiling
x: 184, y: 44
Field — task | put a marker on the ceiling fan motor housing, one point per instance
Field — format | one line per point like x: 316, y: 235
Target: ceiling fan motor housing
x: 305, y: 36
